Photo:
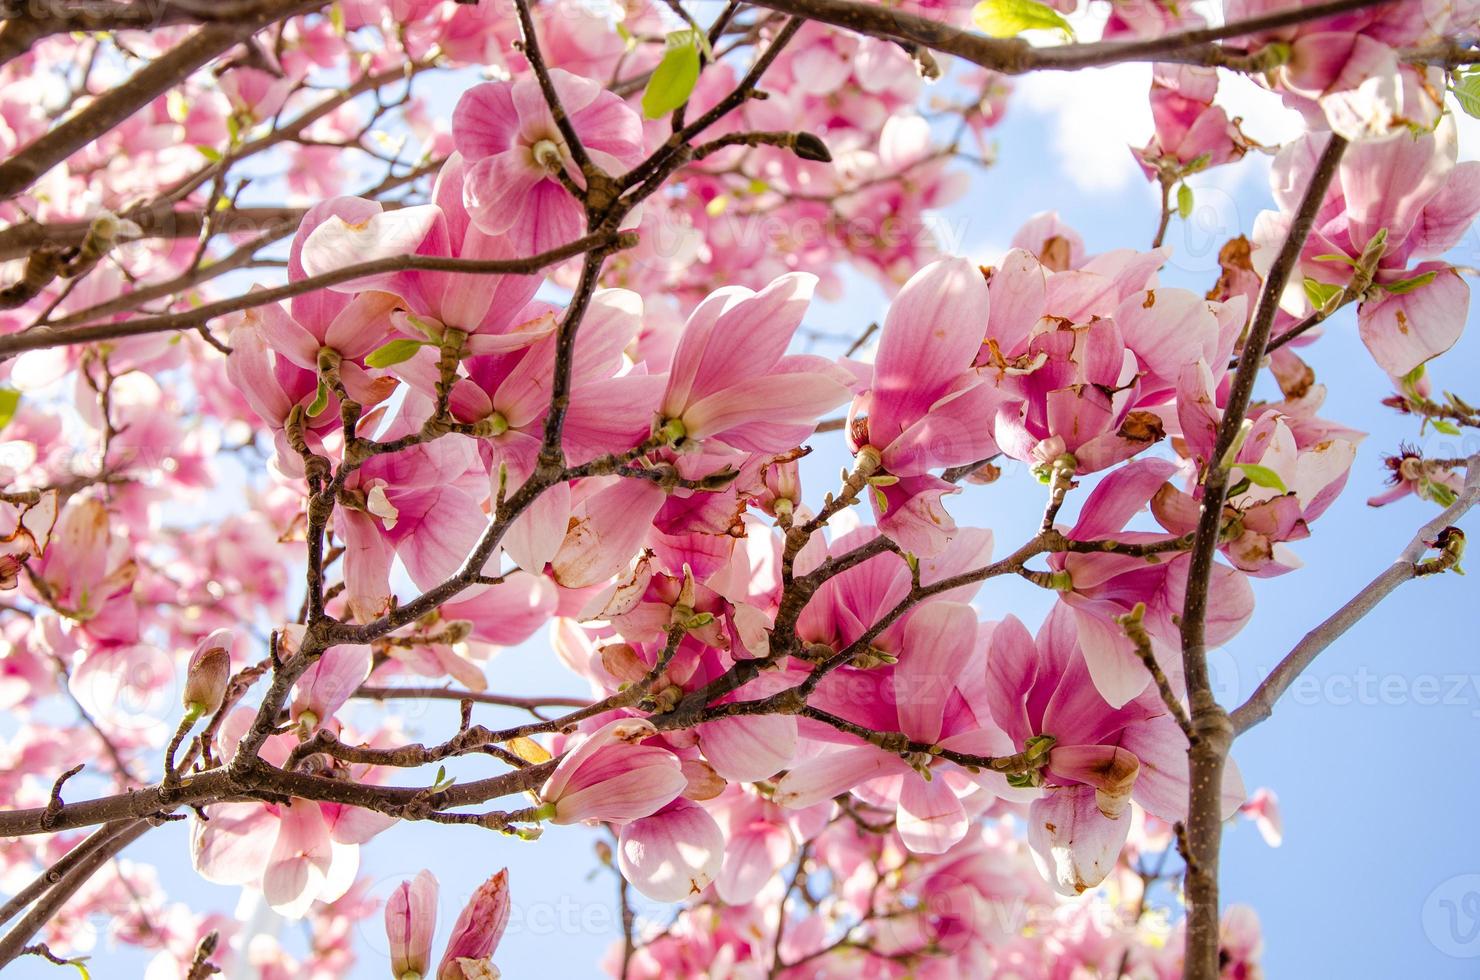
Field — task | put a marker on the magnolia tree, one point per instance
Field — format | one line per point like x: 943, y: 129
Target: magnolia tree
x: 347, y: 343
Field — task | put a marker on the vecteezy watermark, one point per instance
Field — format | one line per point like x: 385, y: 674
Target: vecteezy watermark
x: 1366, y: 687
x: 1451, y: 917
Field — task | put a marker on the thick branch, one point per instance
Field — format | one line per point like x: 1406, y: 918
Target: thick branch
x: 122, y: 101
x: 1212, y: 730
x: 1015, y: 57
x: 44, y: 337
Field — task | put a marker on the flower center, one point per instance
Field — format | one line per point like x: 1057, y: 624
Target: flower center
x: 546, y: 154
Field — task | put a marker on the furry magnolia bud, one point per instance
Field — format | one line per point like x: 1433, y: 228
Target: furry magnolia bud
x: 208, y: 673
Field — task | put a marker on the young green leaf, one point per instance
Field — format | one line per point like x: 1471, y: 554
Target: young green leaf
x: 1322, y: 294
x: 1467, y: 91
x: 320, y: 401
x: 1408, y: 285
x: 1009, y: 18
x: 394, y: 352
x: 10, y: 400
x: 674, y: 78
x: 1448, y: 428
x: 1261, y: 476
x: 1184, y: 202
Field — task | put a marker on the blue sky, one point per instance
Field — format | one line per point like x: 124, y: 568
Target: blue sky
x: 1374, y: 757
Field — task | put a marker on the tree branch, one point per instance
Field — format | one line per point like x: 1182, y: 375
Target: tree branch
x: 1015, y: 57
x: 1405, y: 568
x: 1210, y: 723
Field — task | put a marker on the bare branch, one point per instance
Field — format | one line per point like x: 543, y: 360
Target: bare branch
x: 1405, y: 568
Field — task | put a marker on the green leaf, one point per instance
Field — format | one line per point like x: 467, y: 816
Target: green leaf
x: 1337, y: 257
x: 336, y: 18
x: 1322, y: 294
x: 320, y: 401
x: 1009, y: 18
x: 10, y: 400
x: 673, y: 80
x: 394, y: 352
x: 1467, y: 91
x: 210, y: 153
x: 1408, y: 285
x: 1448, y: 428
x: 1262, y: 476
x: 1184, y: 201
x: 1439, y: 493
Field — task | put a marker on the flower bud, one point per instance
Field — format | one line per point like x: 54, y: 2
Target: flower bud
x: 410, y: 921
x: 208, y: 674
x: 476, y: 934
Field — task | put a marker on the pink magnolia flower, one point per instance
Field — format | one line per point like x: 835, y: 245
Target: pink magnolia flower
x: 921, y: 696
x: 1192, y: 133
x: 611, y: 776
x: 486, y: 307
x: 927, y: 407
x: 1088, y: 351
x: 296, y: 852
x: 1290, y: 481
x: 506, y: 132
x: 350, y: 325
x: 673, y: 854
x: 1099, y: 587
x: 1400, y: 202
x: 733, y: 385
x: 1101, y: 759
x: 87, y: 564
x: 410, y: 921
x: 476, y: 933
x: 1345, y: 73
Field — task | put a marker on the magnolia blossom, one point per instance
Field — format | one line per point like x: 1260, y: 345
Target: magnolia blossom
x: 1394, y: 208
x: 1101, y: 758
x: 296, y: 852
x: 514, y: 148
x: 410, y: 921
x: 926, y: 407
x: 611, y: 776
x: 731, y: 381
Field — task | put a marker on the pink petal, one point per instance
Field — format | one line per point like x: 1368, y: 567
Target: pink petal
x: 824, y: 776
x: 931, y: 334
x: 746, y: 749
x: 300, y: 859
x: 606, y: 538
x: 752, y: 858
x: 734, y: 336
x: 485, y: 121
x: 1405, y: 330
x: 436, y: 528
x: 672, y: 855
x: 232, y: 847
x: 1076, y: 845
x: 938, y: 642
x: 930, y: 818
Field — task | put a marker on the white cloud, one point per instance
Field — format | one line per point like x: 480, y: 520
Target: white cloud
x: 1096, y: 116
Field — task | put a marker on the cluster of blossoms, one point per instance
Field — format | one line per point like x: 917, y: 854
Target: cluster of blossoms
x: 555, y: 396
